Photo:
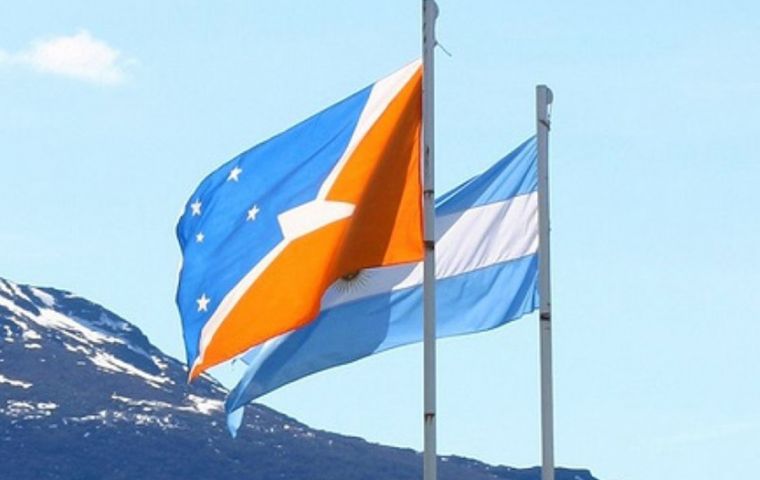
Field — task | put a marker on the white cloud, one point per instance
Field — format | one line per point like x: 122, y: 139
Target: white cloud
x: 79, y: 56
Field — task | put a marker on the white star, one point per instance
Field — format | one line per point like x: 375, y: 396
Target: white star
x: 196, y: 206
x: 199, y: 237
x: 203, y: 303
x: 235, y: 173
x: 252, y: 213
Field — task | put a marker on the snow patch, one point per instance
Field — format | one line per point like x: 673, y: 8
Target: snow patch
x: 109, y: 417
x: 76, y: 348
x: 205, y: 406
x: 44, y: 297
x: 16, y: 320
x: 71, y: 328
x: 100, y: 416
x: 29, y: 334
x: 145, y: 404
x: 165, y: 421
x: 57, y: 321
x: 17, y: 291
x: 32, y: 346
x: 163, y: 365
x: 202, y: 405
x: 14, y: 383
x: 107, y: 362
x: 28, y: 410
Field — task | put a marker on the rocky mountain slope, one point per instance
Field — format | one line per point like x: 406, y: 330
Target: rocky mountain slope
x: 85, y: 395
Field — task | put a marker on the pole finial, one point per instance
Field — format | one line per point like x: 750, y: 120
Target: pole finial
x: 544, y: 99
x: 434, y: 6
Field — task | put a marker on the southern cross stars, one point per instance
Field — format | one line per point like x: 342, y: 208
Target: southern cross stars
x: 235, y: 173
x: 196, y: 207
x: 203, y: 303
x: 252, y: 213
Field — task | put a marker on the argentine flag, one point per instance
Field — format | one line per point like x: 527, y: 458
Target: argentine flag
x: 486, y: 276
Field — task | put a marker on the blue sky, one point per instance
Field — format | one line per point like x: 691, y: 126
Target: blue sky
x: 654, y: 172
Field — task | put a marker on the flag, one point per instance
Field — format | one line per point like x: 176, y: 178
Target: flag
x: 266, y: 234
x: 486, y: 276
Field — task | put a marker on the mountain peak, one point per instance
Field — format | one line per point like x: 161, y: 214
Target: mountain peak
x: 92, y: 321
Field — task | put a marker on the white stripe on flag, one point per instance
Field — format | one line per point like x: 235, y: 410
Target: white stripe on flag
x: 474, y: 238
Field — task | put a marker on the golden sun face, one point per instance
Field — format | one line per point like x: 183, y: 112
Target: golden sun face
x: 350, y: 276
x: 352, y: 281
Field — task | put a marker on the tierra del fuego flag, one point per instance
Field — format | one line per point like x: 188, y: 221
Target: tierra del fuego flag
x: 265, y: 235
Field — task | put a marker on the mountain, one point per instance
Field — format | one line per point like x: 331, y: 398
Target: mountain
x: 85, y: 395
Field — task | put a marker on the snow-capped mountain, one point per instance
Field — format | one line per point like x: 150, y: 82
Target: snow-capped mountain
x: 85, y: 395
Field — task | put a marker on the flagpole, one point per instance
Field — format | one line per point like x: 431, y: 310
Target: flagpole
x: 429, y: 15
x: 544, y: 98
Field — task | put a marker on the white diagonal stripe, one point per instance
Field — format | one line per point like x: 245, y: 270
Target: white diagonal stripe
x: 383, y: 92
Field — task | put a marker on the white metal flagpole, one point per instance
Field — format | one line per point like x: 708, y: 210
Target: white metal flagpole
x: 544, y: 98
x: 429, y: 14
